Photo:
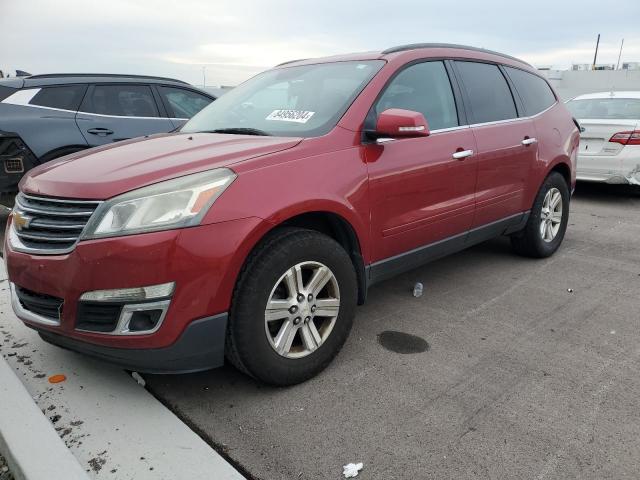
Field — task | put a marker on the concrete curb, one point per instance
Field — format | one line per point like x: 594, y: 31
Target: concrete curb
x: 113, y: 427
x: 28, y: 441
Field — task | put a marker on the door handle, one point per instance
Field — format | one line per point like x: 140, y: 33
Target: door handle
x: 462, y: 154
x: 528, y: 141
x: 101, y: 132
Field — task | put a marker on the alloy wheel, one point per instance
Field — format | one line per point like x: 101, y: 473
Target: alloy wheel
x: 302, y: 309
x: 551, y: 215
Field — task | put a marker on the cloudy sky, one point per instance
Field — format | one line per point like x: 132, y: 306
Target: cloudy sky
x: 233, y: 39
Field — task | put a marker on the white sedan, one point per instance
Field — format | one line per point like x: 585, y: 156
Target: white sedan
x: 610, y: 137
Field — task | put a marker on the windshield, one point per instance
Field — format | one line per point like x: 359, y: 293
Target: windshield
x: 303, y: 101
x: 606, y: 108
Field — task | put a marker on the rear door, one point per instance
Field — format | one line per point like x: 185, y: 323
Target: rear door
x: 507, y: 148
x: 181, y: 103
x: 420, y: 194
x: 44, y: 117
x: 113, y: 112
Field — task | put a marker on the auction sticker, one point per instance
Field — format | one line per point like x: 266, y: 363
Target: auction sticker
x: 298, y: 116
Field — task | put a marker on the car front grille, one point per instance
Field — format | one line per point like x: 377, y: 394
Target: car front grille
x: 40, y: 304
x: 49, y: 225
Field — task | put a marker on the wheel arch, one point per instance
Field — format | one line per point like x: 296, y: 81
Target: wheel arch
x: 61, y: 151
x: 338, y: 228
x: 327, y: 221
x: 563, y: 169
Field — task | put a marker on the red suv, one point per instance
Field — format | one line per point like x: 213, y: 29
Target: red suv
x: 254, y: 231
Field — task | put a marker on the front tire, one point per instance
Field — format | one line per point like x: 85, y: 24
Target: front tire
x: 547, y: 222
x: 292, y: 308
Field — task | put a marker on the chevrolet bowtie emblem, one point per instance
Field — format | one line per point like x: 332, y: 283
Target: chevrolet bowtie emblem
x: 21, y: 221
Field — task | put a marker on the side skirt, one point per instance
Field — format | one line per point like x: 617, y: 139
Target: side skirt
x: 390, y: 267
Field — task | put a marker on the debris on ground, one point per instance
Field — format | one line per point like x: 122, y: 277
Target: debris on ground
x: 138, y: 378
x: 57, y: 378
x: 351, y: 470
x: 417, y: 289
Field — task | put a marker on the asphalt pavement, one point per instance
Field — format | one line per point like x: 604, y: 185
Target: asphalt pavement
x: 521, y: 369
x: 506, y: 367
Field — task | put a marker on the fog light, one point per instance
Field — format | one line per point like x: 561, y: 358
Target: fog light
x: 144, y: 320
x: 137, y: 294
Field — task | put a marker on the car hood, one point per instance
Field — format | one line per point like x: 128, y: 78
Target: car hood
x: 104, y: 172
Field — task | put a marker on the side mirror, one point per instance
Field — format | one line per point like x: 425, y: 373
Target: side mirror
x: 396, y: 122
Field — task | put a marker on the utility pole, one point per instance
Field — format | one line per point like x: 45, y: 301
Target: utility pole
x: 620, y: 54
x: 595, y: 57
x: 204, y: 76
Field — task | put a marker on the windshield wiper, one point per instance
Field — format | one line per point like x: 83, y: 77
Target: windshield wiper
x: 239, y: 131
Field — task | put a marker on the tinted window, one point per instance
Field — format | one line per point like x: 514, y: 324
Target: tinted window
x: 534, y: 91
x: 67, y: 97
x: 183, y: 103
x: 605, y: 108
x: 488, y: 91
x: 6, y: 91
x: 425, y: 88
x: 122, y: 101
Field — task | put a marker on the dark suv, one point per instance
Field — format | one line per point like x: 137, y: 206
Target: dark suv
x: 43, y: 117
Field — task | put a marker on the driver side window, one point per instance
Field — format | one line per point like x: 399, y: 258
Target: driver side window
x: 425, y: 88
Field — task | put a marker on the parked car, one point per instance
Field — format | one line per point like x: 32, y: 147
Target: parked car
x: 255, y: 230
x: 610, y: 138
x: 43, y: 117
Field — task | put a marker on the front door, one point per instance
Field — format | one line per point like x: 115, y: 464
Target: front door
x: 420, y: 194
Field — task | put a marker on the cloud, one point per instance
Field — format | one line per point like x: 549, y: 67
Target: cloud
x: 263, y: 54
x: 235, y: 39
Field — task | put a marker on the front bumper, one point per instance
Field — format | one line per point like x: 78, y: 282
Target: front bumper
x: 200, y: 347
x: 203, y: 262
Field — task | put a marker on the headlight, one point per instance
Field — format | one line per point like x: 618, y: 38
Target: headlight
x: 180, y: 202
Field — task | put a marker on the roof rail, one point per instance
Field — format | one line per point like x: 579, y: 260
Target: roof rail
x: 110, y: 75
x: 291, y: 61
x: 414, y: 46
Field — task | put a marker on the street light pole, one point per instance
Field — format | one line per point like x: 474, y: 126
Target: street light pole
x: 620, y: 54
x: 595, y: 57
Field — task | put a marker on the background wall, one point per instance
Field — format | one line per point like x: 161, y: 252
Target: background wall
x: 570, y: 83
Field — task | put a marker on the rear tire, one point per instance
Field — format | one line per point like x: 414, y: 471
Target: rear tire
x: 315, y: 335
x: 547, y: 222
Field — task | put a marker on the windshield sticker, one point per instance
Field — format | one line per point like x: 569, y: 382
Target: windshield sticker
x: 298, y: 116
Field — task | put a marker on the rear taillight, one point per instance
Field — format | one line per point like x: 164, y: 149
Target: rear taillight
x: 626, y: 138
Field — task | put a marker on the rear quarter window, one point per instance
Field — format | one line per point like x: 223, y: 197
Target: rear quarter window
x: 183, y: 103
x: 6, y: 91
x: 535, y: 93
x: 66, y: 97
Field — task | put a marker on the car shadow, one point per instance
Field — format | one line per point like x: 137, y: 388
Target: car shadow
x: 604, y: 192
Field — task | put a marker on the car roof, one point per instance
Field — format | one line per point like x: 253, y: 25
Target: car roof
x: 610, y: 94
x: 75, y: 78
x: 433, y: 49
x: 65, y: 78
